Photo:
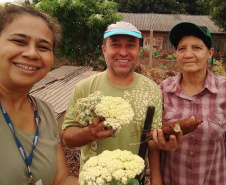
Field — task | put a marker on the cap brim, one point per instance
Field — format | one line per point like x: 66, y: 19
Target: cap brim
x: 179, y: 29
x: 122, y: 32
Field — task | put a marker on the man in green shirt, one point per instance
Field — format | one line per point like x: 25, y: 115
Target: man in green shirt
x: 121, y: 47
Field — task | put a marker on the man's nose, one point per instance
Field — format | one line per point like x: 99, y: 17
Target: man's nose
x: 123, y: 51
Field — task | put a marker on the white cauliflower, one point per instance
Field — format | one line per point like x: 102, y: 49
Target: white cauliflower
x: 115, y: 110
x: 84, y: 107
x: 117, y: 165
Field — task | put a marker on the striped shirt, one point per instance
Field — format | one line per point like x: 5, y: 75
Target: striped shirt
x: 202, y: 158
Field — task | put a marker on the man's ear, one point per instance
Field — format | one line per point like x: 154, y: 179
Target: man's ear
x: 103, y: 49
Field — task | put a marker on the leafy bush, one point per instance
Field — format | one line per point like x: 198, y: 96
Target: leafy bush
x: 162, y: 66
x: 217, y: 67
x: 171, y: 57
x: 157, y: 53
x: 83, y: 23
x: 142, y: 50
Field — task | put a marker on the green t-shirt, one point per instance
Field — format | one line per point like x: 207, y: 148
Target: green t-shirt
x: 13, y: 169
x: 141, y: 94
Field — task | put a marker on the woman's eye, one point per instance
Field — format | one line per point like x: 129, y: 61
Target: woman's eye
x: 45, y: 48
x: 197, y: 47
x: 19, y: 42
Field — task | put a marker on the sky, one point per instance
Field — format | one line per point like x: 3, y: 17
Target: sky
x: 3, y: 1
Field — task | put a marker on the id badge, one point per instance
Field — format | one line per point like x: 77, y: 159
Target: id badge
x: 39, y: 182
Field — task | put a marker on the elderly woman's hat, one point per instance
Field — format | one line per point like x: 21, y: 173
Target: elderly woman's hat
x: 186, y: 29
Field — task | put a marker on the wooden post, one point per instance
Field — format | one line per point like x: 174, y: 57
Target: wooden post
x: 151, y: 49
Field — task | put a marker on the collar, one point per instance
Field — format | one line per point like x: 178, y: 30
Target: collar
x: 210, y: 83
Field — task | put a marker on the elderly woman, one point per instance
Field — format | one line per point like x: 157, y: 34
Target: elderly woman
x: 30, y: 152
x: 198, y: 93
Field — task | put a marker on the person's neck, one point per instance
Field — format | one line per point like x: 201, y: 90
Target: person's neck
x: 193, y: 83
x: 13, y: 99
x: 121, y: 80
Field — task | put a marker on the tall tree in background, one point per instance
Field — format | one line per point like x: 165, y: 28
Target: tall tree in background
x: 196, y: 7
x: 193, y: 7
x: 218, y: 13
x: 83, y: 23
x: 36, y: 1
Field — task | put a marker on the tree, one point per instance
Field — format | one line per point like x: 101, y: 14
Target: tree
x: 150, y: 6
x: 196, y: 7
x: 36, y: 1
x: 83, y: 23
x: 193, y: 7
x: 218, y: 13
x: 129, y: 6
x: 26, y: 2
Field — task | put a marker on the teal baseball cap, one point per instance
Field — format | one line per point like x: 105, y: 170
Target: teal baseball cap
x: 122, y: 28
x: 187, y: 28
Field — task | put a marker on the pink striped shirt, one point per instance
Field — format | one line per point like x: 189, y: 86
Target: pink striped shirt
x: 202, y: 158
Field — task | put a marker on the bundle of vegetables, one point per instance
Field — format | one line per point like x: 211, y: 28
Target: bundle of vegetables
x: 114, y: 110
x: 186, y: 125
x: 116, y: 167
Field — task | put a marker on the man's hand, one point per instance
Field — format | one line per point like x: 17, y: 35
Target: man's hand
x: 80, y: 136
x: 97, y: 130
x: 171, y: 145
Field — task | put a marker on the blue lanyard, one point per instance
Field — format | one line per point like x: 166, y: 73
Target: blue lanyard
x: 20, y: 147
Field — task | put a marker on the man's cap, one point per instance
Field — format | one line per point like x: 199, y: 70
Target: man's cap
x: 122, y: 28
x: 187, y: 28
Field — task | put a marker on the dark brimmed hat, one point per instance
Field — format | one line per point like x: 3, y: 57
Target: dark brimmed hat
x: 122, y: 28
x: 187, y: 28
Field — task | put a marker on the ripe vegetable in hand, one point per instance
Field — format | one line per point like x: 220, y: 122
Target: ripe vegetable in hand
x: 186, y: 125
x: 115, y: 111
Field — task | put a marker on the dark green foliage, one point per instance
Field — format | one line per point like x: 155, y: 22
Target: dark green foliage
x: 196, y: 7
x: 193, y: 7
x: 83, y: 23
x: 218, y: 13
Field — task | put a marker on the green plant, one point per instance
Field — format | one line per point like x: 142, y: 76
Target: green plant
x: 162, y: 66
x: 157, y: 53
x: 99, y: 64
x: 142, y: 50
x: 83, y: 23
x: 171, y: 57
x: 218, y: 68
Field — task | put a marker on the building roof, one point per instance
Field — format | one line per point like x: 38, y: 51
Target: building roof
x: 58, y: 84
x: 164, y: 22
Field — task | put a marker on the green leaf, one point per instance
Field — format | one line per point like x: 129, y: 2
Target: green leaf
x: 133, y: 182
x: 83, y: 23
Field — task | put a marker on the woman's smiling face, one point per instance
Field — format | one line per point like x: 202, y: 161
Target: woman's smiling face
x: 26, y: 51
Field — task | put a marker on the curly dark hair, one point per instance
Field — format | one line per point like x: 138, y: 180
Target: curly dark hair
x: 10, y: 11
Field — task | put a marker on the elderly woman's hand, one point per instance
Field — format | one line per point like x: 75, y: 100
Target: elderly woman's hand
x: 171, y: 145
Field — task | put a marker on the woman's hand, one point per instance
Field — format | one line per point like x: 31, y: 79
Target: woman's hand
x: 171, y: 145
